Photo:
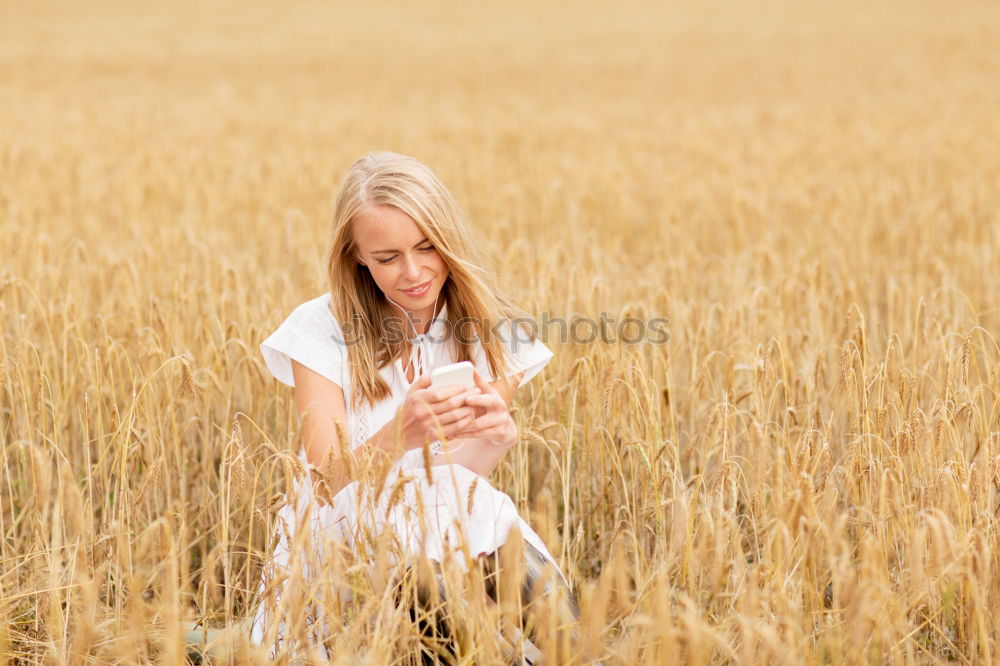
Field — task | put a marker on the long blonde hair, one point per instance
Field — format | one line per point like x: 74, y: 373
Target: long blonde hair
x: 471, y: 291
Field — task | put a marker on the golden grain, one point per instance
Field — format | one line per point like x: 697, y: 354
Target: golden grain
x: 796, y: 188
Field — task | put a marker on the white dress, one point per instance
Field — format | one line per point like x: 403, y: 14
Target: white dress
x: 458, y: 504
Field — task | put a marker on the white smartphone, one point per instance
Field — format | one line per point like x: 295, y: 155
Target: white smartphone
x: 450, y: 375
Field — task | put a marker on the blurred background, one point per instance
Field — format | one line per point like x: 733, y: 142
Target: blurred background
x: 229, y: 125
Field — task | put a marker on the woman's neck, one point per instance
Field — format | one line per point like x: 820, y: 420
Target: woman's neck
x: 419, y: 320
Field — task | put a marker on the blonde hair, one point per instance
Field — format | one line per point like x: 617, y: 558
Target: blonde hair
x: 470, y: 291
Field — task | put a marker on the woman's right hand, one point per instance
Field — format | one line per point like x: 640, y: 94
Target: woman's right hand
x: 433, y: 413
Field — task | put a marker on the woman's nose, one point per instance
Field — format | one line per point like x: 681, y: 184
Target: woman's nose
x: 410, y: 269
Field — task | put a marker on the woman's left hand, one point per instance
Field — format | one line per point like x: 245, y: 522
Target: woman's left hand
x: 493, y: 420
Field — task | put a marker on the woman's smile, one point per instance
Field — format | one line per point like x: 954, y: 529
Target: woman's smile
x: 419, y: 290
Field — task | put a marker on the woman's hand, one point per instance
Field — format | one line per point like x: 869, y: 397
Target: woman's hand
x: 432, y: 414
x: 493, y: 420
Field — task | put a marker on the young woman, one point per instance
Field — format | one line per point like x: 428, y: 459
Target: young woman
x: 408, y: 293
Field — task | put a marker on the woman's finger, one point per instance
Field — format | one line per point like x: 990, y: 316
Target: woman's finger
x: 481, y: 382
x: 455, y: 430
x: 454, y: 401
x: 455, y: 414
x: 493, y: 401
x: 483, y: 423
x: 440, y: 394
x: 422, y: 382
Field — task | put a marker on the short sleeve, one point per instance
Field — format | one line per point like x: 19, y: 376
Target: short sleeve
x: 310, y: 336
x: 525, y: 355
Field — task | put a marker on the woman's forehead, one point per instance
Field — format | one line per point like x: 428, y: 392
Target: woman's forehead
x: 382, y: 227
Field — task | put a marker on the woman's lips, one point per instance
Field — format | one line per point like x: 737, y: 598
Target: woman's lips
x: 418, y: 291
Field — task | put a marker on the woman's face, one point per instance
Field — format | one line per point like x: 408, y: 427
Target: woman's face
x: 404, y: 264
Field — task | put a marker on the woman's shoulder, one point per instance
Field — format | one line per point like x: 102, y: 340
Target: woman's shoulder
x: 313, y: 305
x: 315, y: 316
x: 311, y: 336
x: 521, y: 342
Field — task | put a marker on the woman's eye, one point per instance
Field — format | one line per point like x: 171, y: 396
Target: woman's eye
x: 426, y: 248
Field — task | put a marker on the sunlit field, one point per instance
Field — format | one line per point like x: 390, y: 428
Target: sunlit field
x: 806, y: 472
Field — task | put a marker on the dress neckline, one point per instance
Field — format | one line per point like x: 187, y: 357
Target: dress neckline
x: 435, y: 335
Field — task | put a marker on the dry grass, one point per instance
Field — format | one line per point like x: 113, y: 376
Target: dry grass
x: 807, y: 472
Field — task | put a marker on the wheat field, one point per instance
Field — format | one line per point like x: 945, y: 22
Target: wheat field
x: 806, y: 472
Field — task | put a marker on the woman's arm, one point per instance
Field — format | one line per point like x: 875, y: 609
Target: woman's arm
x: 323, y: 413
x: 507, y: 386
x: 321, y: 405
